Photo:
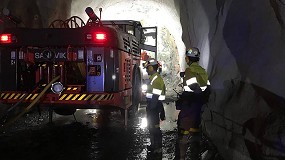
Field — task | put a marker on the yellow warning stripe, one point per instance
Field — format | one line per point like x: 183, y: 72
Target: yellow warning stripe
x: 86, y: 99
x: 22, y: 96
x: 69, y: 97
x: 81, y: 97
x: 16, y: 97
x: 109, y: 96
x: 95, y: 96
x: 72, y: 88
x: 6, y: 96
x: 64, y: 97
x: 12, y: 95
x: 61, y: 98
x: 102, y: 96
x: 106, y: 97
x: 74, y: 98
x: 29, y: 96
x: 34, y: 96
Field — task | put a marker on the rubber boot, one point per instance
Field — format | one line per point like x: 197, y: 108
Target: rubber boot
x: 181, y: 147
x: 157, y: 140
x: 151, y: 147
x: 194, y: 150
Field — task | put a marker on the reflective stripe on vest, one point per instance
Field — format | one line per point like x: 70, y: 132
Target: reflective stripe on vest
x: 188, y: 83
x: 155, y: 90
x: 187, y: 89
x: 153, y: 79
x: 149, y: 95
x: 161, y: 97
x: 191, y: 81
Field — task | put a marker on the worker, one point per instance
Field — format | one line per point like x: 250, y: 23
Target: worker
x: 155, y: 94
x: 195, y: 83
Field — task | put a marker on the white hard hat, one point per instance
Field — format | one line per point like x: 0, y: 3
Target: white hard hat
x: 193, y: 52
x: 150, y: 62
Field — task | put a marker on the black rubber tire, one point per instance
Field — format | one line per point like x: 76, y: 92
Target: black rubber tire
x: 136, y: 92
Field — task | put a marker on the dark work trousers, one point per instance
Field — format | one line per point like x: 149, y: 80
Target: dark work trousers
x: 153, y: 120
x: 188, y: 125
x: 161, y: 111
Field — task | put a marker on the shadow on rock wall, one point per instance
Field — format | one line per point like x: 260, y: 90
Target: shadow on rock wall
x: 27, y: 11
x: 247, y: 113
x: 267, y: 137
x: 35, y: 13
x: 266, y: 131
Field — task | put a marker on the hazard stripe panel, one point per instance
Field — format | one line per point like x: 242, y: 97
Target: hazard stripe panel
x: 63, y: 97
x: 86, y: 97
x: 72, y: 88
x: 17, y: 96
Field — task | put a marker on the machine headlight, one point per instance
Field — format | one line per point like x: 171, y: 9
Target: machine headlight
x: 56, y: 87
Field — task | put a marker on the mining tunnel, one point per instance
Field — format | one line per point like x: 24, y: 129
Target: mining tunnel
x: 242, y: 49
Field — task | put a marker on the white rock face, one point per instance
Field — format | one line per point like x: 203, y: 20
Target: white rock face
x: 245, y: 47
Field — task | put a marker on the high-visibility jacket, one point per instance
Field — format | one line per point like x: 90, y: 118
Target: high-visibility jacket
x: 156, y: 86
x: 195, y: 74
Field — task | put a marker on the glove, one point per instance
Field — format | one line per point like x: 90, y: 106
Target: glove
x: 182, y: 74
x: 178, y: 104
x: 196, y: 88
x: 162, y: 116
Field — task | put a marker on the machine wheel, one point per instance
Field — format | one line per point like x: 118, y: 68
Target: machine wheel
x: 136, y: 92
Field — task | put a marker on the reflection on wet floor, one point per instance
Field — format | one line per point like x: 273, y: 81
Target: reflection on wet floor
x: 94, y: 134
x: 136, y: 132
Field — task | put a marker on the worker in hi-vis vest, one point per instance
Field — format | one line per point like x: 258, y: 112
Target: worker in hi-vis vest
x: 155, y: 94
x: 195, y: 84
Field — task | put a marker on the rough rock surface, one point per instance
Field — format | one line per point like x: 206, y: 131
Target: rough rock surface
x: 244, y: 44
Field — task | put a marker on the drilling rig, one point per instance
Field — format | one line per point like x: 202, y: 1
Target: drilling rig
x: 73, y: 65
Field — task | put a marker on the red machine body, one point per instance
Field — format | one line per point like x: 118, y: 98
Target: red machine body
x: 98, y: 65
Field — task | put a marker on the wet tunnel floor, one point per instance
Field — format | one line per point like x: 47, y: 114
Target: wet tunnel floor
x: 95, y: 135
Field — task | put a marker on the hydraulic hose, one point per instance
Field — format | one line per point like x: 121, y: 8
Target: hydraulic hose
x: 22, y: 99
x: 35, y: 101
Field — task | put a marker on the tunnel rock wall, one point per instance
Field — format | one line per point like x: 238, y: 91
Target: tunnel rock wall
x: 35, y: 13
x: 244, y: 45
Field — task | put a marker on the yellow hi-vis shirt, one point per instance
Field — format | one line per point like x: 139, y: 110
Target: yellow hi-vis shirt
x: 195, y: 74
x: 156, y: 86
